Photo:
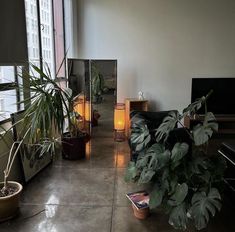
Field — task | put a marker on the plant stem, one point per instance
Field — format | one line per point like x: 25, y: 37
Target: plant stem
x: 185, y: 129
x: 11, y: 158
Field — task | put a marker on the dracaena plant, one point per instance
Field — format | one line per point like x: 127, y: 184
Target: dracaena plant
x: 185, y: 181
x: 43, y: 121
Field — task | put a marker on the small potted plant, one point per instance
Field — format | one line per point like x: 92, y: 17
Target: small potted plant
x: 186, y: 180
x: 10, y: 190
x: 73, y: 141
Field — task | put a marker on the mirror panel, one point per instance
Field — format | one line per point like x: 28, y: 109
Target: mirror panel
x: 97, y: 80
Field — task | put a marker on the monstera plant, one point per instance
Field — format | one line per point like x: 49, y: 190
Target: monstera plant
x: 185, y: 179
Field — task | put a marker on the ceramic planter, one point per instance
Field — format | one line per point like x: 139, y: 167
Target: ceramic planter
x: 140, y: 213
x: 9, y: 205
x: 74, y: 148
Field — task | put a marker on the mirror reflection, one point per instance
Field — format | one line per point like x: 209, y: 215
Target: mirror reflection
x: 95, y: 81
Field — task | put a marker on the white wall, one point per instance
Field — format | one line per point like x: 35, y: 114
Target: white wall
x: 159, y: 44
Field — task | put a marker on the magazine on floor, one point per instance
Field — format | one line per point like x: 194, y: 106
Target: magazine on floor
x: 139, y: 199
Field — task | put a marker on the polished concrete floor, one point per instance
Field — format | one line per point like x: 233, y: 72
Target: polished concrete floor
x: 89, y: 195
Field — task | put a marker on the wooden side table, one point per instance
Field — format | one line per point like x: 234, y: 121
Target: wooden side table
x: 133, y: 104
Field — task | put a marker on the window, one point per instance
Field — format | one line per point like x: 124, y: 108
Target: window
x: 40, y: 16
x: 42, y: 28
x: 10, y: 95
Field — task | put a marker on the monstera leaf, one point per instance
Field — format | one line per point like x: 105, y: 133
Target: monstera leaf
x: 194, y: 107
x: 160, y: 158
x: 156, y: 197
x: 155, y: 158
x: 198, y: 164
x: 140, y: 136
x: 202, y: 133
x: 204, y: 205
x: 178, y: 152
x: 131, y: 172
x: 143, y: 159
x: 146, y: 175
x: 168, y: 124
x: 178, y: 217
x: 179, y: 195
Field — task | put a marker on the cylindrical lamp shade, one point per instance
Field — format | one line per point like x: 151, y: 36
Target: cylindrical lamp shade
x: 79, y: 107
x: 119, y: 117
x: 119, y: 122
x: 79, y: 104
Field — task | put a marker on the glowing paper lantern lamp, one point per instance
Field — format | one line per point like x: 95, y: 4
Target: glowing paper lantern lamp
x: 79, y: 107
x: 119, y: 122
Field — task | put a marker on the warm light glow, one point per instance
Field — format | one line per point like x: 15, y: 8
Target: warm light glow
x: 119, y: 117
x: 79, y: 105
x: 88, y: 111
x: 88, y: 150
x: 79, y: 108
x: 120, y: 160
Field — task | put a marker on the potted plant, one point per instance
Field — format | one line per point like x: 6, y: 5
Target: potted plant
x: 53, y: 110
x: 73, y: 142
x: 43, y: 124
x: 9, y: 190
x: 186, y: 182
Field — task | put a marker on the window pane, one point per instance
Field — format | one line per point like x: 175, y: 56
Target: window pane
x: 7, y: 103
x: 7, y: 74
x: 47, y: 34
x: 32, y: 31
x: 9, y: 98
x: 20, y: 90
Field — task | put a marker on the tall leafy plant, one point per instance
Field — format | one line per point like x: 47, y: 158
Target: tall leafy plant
x: 185, y: 182
x: 44, y: 119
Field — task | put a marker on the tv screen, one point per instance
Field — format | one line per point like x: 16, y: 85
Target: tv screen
x: 222, y: 100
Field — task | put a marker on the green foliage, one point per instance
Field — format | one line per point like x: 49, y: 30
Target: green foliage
x: 202, y: 132
x: 178, y: 152
x: 204, y: 205
x: 156, y: 197
x: 140, y: 136
x: 131, y: 172
x: 43, y: 121
x: 97, y: 87
x: 179, y: 195
x: 185, y: 181
x: 178, y: 217
x: 168, y: 124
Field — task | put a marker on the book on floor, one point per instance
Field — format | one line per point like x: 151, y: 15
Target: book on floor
x: 139, y: 199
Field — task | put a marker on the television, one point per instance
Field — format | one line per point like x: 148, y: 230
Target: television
x: 221, y: 101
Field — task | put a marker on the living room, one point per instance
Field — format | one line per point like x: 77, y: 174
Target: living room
x: 159, y: 47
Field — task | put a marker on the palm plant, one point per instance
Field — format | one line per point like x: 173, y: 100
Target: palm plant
x: 186, y: 184
x: 44, y: 120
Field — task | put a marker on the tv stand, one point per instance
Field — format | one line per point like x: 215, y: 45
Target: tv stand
x: 226, y: 123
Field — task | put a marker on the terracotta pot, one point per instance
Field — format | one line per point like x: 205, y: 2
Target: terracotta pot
x: 74, y: 148
x: 9, y: 205
x: 140, y: 213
